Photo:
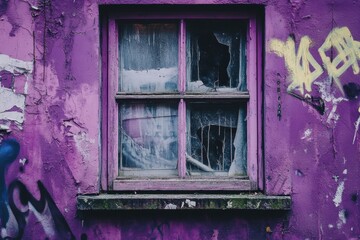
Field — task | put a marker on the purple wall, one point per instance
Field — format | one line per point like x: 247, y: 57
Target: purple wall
x: 50, y: 108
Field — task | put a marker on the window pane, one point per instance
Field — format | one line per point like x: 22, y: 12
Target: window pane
x: 148, y: 136
x: 216, y: 58
x: 216, y: 139
x: 148, y: 57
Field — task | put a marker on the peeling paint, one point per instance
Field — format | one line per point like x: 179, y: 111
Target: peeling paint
x: 15, y: 66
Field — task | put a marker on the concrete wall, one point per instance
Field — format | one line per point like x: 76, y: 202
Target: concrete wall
x: 50, y: 118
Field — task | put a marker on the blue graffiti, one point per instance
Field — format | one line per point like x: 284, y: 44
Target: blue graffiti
x: 9, y: 150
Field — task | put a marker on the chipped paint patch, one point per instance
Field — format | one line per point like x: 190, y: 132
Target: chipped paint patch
x: 307, y: 135
x: 338, y: 195
x: 83, y: 144
x: 342, y: 219
x: 331, y: 102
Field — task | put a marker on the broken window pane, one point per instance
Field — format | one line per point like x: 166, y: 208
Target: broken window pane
x: 148, y: 57
x: 216, y: 139
x: 148, y: 136
x: 216, y: 57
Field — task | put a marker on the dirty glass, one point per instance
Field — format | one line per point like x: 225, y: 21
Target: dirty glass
x: 148, y: 57
x: 148, y: 136
x: 216, y: 139
x: 216, y: 56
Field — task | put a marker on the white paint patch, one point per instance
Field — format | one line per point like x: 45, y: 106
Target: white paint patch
x: 338, y: 195
x: 342, y: 219
x: 357, y: 124
x: 8, y: 101
x: 83, y: 144
x: 22, y: 161
x: 15, y: 66
x: 307, y: 135
x: 331, y: 226
x: 345, y: 171
x: 170, y: 206
x: 12, y: 105
x: 190, y: 203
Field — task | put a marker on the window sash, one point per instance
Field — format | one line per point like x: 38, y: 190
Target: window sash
x: 114, y: 96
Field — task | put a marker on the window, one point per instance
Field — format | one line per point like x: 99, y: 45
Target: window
x: 181, y: 103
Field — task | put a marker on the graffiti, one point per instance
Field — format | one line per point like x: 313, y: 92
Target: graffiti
x: 299, y: 64
x: 45, y: 210
x: 348, y: 53
x: 17, y: 202
x: 9, y: 150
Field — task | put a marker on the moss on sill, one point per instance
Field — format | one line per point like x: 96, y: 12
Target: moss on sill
x: 182, y: 202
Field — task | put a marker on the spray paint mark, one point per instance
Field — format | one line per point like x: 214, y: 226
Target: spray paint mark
x: 352, y: 90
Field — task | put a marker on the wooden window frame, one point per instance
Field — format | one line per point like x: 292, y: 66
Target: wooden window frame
x: 111, y: 97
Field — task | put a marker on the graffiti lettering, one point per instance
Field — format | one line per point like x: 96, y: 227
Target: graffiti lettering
x: 348, y: 53
x: 56, y: 228
x: 339, y: 41
x: 16, y: 203
x: 299, y: 64
x: 9, y: 150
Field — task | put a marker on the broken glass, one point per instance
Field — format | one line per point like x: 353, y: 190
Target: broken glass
x: 148, y: 57
x: 216, y: 139
x: 216, y: 56
x: 148, y: 136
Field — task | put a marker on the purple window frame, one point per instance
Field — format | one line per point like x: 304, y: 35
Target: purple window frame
x: 110, y: 100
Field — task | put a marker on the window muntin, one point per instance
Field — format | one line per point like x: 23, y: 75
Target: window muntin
x: 185, y: 98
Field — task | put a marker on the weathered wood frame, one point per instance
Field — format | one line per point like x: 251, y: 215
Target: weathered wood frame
x: 111, y: 97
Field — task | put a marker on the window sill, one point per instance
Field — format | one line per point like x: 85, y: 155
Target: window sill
x: 182, y: 202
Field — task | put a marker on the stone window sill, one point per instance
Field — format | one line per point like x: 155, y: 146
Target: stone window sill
x: 182, y: 202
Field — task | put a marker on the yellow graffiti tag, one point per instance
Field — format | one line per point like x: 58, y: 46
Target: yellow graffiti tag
x: 298, y: 64
x: 348, y: 53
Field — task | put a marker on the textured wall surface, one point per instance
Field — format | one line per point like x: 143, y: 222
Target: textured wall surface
x: 50, y: 98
